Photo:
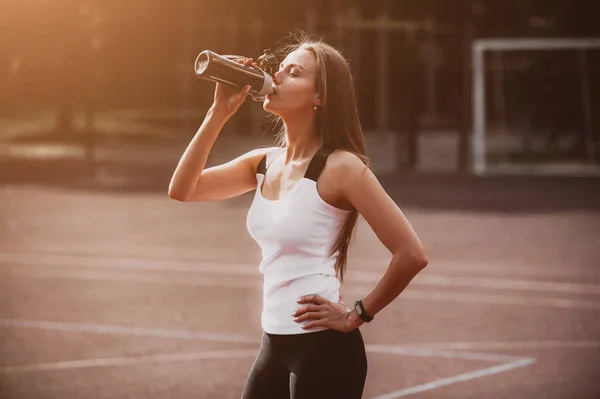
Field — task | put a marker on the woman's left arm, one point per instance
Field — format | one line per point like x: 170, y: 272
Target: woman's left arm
x: 358, y: 185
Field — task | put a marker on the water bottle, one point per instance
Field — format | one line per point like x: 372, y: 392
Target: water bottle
x: 223, y: 68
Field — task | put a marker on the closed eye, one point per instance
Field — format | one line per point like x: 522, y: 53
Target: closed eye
x: 292, y: 74
x: 290, y: 67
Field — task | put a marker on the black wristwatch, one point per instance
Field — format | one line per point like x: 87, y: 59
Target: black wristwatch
x: 360, y: 310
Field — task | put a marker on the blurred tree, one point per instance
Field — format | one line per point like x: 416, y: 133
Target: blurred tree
x: 78, y: 56
x: 91, y: 22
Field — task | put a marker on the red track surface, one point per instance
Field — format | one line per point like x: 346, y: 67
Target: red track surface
x: 114, y: 294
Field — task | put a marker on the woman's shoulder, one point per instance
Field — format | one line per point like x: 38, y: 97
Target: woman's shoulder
x: 342, y: 170
x: 343, y: 160
x: 344, y: 167
x: 257, y: 155
x: 262, y: 151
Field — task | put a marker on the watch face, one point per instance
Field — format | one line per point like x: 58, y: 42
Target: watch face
x: 358, y: 308
x: 360, y: 311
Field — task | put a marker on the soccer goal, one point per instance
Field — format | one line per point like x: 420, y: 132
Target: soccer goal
x: 536, y: 106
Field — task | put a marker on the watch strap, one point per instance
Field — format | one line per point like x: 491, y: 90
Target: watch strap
x: 360, y: 310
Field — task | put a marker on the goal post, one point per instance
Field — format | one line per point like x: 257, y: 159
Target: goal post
x: 479, y: 158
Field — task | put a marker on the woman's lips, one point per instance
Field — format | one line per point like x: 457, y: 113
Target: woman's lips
x: 272, y: 93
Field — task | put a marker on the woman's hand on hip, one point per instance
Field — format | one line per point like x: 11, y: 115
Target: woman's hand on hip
x: 321, y: 312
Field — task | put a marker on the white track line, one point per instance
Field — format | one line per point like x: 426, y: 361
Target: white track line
x: 426, y: 352
x: 130, y: 277
x: 244, y: 269
x: 492, y: 267
x: 123, y: 330
x: 350, y: 287
x: 129, y: 360
x: 507, y: 284
x: 517, y: 345
x: 499, y: 299
x: 458, y: 378
x: 514, y: 362
x: 127, y: 263
x: 99, y: 260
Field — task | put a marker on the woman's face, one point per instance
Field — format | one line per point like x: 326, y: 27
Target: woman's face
x: 294, y: 84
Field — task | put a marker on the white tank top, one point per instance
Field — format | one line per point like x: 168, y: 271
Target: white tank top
x: 296, y: 234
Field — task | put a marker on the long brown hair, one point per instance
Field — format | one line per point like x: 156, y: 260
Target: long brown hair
x: 337, y: 121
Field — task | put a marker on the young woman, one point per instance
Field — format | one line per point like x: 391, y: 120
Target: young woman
x: 309, y: 192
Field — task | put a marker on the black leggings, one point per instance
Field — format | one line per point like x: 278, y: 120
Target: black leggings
x: 325, y: 364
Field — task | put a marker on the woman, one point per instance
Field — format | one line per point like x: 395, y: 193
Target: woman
x: 309, y: 192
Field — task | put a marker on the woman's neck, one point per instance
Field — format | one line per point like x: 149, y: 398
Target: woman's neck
x: 303, y: 141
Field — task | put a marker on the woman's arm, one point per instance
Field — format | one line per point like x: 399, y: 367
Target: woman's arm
x: 355, y: 184
x: 190, y: 182
x: 186, y: 178
x: 361, y: 188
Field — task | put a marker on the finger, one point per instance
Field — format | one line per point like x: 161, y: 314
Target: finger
x: 313, y: 299
x: 244, y: 92
x: 316, y: 323
x: 309, y: 316
x: 307, y: 308
x: 248, y: 61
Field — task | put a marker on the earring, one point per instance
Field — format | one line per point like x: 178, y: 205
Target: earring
x: 315, y: 108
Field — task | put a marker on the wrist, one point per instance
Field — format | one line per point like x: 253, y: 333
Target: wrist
x: 218, y: 112
x: 354, y: 321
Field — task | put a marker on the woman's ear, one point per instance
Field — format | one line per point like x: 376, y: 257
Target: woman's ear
x: 318, y: 102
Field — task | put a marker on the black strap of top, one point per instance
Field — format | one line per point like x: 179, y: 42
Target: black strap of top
x: 262, y: 165
x: 317, y: 164
x: 315, y: 167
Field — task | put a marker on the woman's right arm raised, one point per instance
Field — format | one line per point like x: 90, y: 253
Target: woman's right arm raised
x: 191, y: 182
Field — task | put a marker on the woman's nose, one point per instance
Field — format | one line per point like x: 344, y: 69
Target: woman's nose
x: 276, y: 76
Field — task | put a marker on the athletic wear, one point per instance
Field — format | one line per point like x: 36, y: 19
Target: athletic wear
x: 296, y: 234
x: 322, y: 365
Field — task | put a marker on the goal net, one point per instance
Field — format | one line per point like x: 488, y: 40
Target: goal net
x: 536, y: 106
